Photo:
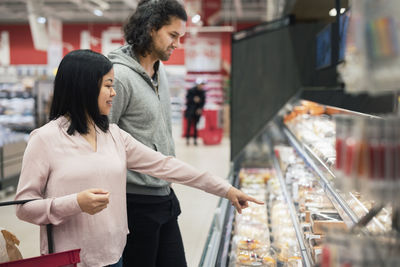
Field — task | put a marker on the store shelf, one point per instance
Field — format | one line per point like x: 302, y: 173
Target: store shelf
x: 306, y: 257
x: 326, y: 177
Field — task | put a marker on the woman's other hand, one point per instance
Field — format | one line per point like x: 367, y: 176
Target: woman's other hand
x: 93, y: 200
x: 240, y: 199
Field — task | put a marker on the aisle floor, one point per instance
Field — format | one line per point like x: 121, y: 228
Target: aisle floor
x: 197, y: 206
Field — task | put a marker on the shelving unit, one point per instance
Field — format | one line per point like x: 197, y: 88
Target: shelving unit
x: 19, y: 111
x: 363, y: 235
x: 325, y: 176
x: 326, y: 179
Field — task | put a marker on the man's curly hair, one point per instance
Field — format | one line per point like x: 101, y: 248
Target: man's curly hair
x: 150, y: 15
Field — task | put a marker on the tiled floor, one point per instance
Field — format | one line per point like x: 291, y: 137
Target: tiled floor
x: 197, y: 206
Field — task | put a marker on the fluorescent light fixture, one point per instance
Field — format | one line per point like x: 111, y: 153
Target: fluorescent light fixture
x: 196, y: 18
x: 98, y: 12
x: 41, y: 20
x: 102, y: 4
x: 332, y: 12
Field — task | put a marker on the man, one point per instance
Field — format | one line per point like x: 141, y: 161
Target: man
x: 142, y: 108
x: 195, y: 100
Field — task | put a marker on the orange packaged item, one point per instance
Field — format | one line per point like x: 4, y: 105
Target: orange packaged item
x: 299, y: 110
x: 331, y: 111
x: 249, y: 244
x: 307, y: 103
x: 289, y: 117
x: 317, y: 110
x: 250, y: 258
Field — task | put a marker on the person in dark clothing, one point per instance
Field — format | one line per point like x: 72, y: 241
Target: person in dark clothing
x: 195, y: 100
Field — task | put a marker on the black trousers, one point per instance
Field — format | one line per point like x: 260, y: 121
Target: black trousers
x: 155, y: 239
x: 192, y: 120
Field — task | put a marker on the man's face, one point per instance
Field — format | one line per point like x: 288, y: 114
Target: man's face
x: 166, y: 39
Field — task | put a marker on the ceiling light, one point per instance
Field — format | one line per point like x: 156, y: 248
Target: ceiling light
x: 102, y: 4
x: 41, y: 20
x: 98, y: 12
x: 196, y: 18
x: 332, y: 12
x: 342, y: 10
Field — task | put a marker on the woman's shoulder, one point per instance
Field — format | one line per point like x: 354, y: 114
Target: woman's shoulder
x: 46, y: 132
x: 117, y: 132
x: 113, y: 128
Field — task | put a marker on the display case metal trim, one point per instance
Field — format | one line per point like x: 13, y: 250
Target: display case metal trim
x: 299, y: 234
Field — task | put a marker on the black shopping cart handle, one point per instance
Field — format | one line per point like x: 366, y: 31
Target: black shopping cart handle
x: 17, y: 202
x: 49, y: 227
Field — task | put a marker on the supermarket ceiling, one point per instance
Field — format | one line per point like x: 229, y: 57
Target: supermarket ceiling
x: 230, y: 11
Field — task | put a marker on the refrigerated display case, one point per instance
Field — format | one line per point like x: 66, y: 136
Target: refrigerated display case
x: 332, y: 224
x: 315, y: 204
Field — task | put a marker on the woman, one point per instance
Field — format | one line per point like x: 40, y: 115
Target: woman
x: 76, y: 165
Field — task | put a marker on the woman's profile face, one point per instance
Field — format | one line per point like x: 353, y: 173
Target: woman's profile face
x: 106, y: 93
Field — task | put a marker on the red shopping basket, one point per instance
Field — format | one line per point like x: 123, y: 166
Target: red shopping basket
x: 50, y: 260
x: 70, y: 257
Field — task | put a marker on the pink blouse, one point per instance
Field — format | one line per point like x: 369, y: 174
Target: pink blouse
x: 57, y: 166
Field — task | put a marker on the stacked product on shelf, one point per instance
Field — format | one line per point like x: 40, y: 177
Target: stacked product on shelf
x: 364, y: 171
x: 315, y: 212
x: 17, y: 107
x: 368, y: 156
x: 351, y: 248
x: 284, y: 237
x: 323, y: 135
x: 368, y: 161
x: 311, y: 125
x: 12, y: 147
x: 17, y: 119
x: 251, y: 245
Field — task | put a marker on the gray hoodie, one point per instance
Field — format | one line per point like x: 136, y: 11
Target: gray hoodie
x: 142, y: 112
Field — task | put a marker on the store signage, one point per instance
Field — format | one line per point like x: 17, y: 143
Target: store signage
x: 4, y: 48
x: 85, y: 40
x: 111, y: 39
x: 203, y: 53
x: 55, y: 48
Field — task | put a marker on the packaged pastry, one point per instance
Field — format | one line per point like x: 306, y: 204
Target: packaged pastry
x: 294, y: 261
x: 250, y: 258
x: 250, y: 244
x: 289, y: 253
x: 254, y: 231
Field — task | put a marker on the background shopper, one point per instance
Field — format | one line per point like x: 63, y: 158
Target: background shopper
x: 195, y: 100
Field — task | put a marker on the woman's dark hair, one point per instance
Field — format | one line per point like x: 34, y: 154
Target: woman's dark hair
x: 150, y: 15
x: 76, y: 90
